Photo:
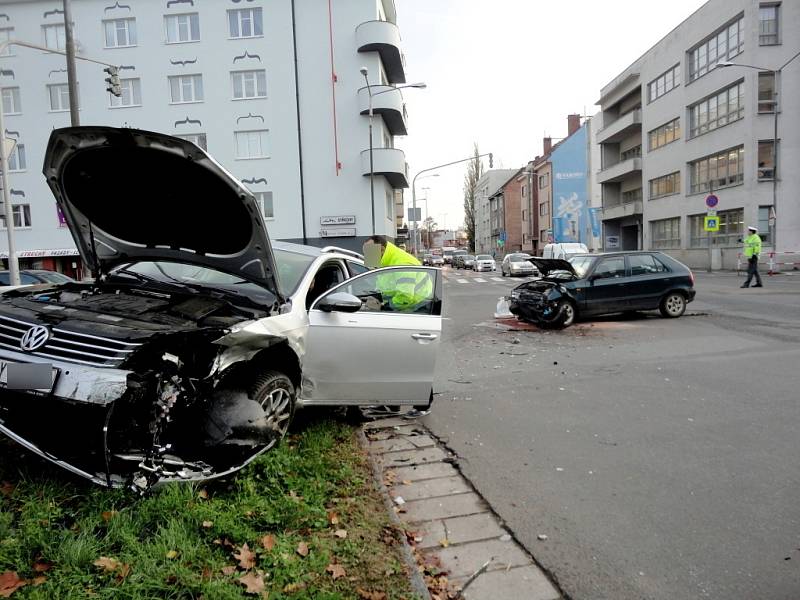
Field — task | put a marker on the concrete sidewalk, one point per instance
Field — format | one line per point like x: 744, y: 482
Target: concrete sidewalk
x: 449, y: 525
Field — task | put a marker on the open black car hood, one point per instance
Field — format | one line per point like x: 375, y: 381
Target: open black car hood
x: 131, y: 195
x: 546, y: 265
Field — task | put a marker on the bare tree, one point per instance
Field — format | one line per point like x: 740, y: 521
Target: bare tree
x: 428, y: 227
x: 473, y: 175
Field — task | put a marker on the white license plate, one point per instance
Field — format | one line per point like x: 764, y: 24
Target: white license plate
x: 24, y: 376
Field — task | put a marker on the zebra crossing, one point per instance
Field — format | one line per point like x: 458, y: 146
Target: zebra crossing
x: 470, y: 278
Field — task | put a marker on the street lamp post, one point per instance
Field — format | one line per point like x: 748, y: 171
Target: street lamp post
x: 365, y: 72
x: 13, y: 262
x: 777, y: 77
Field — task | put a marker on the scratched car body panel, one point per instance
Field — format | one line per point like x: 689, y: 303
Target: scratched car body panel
x: 186, y: 356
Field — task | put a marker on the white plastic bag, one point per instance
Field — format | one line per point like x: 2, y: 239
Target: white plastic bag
x: 502, y: 311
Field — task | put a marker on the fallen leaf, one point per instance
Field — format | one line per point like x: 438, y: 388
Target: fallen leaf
x: 41, y: 567
x: 202, y: 494
x: 268, y: 542
x: 172, y: 554
x: 10, y: 583
x: 340, y: 533
x: 333, y: 518
x: 207, y: 574
x: 444, y: 543
x: 208, y: 524
x: 253, y: 583
x: 406, y: 482
x: 248, y: 513
x: 302, y: 549
x: 368, y: 595
x: 246, y: 558
x: 107, y: 564
x: 290, y: 588
x: 38, y: 580
x: 108, y: 515
x: 293, y: 495
x: 123, y: 571
x: 230, y: 570
x: 336, y: 571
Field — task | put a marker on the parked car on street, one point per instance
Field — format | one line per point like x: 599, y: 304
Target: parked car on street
x: 598, y: 284
x: 34, y: 277
x: 189, y: 354
x: 516, y: 264
x: 484, y: 262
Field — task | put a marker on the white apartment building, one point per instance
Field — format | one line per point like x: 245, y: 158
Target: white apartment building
x: 488, y: 184
x: 677, y: 126
x: 271, y: 88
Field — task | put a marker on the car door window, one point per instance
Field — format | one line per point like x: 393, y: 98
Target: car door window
x: 26, y: 279
x: 610, y: 268
x: 644, y: 264
x: 395, y: 290
x: 327, y: 276
x: 356, y: 268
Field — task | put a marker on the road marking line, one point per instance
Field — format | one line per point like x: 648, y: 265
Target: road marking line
x: 462, y: 281
x: 480, y: 280
x: 497, y: 279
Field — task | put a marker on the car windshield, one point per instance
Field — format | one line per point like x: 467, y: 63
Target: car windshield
x: 468, y: 257
x: 519, y: 258
x: 52, y: 277
x: 291, y: 268
x: 582, y: 264
x: 483, y: 257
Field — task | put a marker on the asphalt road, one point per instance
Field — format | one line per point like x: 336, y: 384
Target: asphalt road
x: 660, y: 457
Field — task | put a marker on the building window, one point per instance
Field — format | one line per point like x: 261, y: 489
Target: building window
x: 632, y: 196
x: 768, y: 24
x: 22, y: 216
x: 726, y: 43
x: 186, y: 88
x: 524, y: 192
x: 198, y: 139
x: 245, y: 23
x: 16, y: 160
x: 182, y: 28
x: 664, y: 83
x: 718, y: 171
x: 766, y: 92
x: 731, y: 226
x: 765, y: 228
x: 120, y: 33
x: 666, y: 134
x: 766, y: 160
x: 717, y: 111
x: 6, y: 34
x: 544, y: 209
x: 131, y: 93
x: 544, y: 180
x: 251, y: 144
x: 264, y: 200
x: 634, y: 152
x: 55, y: 36
x: 59, y: 97
x: 666, y: 185
x: 11, y: 101
x: 665, y: 233
x: 249, y: 84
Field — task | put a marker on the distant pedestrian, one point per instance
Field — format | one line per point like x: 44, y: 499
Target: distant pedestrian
x: 752, y: 248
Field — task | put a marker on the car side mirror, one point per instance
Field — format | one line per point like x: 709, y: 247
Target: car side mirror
x: 340, y: 302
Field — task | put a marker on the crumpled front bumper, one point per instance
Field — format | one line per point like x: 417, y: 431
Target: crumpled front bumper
x: 534, y: 306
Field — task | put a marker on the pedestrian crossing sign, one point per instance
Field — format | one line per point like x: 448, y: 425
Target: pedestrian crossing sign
x: 711, y: 223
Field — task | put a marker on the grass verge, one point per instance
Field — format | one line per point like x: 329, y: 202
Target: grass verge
x: 303, y: 521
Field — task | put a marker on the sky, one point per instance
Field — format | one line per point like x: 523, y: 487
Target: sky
x: 506, y: 73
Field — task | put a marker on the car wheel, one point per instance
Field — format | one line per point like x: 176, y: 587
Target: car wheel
x: 503, y: 271
x: 276, y: 394
x: 567, y: 313
x: 673, y: 305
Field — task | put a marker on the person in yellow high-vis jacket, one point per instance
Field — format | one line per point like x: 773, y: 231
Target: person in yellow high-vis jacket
x: 752, y: 248
x: 404, y: 291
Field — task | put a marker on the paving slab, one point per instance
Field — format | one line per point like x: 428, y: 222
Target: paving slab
x: 428, y: 534
x: 522, y: 582
x: 412, y: 457
x: 462, y: 560
x: 431, y: 488
x: 387, y: 423
x: 392, y: 444
x: 428, y: 471
x: 382, y: 434
x: 430, y: 509
x: 421, y: 441
x: 474, y: 527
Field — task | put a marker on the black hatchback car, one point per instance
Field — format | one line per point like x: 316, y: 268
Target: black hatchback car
x: 597, y: 284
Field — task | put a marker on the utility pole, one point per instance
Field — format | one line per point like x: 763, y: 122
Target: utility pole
x: 72, y: 76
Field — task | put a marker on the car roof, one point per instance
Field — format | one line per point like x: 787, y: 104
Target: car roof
x: 315, y: 251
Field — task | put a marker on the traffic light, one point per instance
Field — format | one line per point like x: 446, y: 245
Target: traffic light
x: 491, y: 160
x: 112, y: 80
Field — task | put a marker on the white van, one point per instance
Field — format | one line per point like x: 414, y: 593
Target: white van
x: 565, y: 250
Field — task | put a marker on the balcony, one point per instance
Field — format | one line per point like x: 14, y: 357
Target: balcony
x: 619, y: 211
x: 384, y: 38
x: 623, y: 127
x: 388, y: 103
x: 389, y: 162
x: 621, y: 170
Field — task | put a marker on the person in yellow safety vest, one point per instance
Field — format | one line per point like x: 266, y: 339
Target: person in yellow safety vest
x: 752, y: 248
x: 405, y: 291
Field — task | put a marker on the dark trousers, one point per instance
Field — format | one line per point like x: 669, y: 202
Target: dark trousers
x: 752, y: 269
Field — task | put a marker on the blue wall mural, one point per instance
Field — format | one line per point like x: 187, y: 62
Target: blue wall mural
x: 572, y: 220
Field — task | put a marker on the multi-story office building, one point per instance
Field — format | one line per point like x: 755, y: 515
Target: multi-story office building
x: 695, y: 115
x: 272, y: 88
x: 487, y: 185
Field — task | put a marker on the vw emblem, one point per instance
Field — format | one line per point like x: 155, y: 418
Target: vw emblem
x: 34, y: 338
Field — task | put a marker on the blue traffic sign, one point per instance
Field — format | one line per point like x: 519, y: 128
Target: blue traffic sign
x: 711, y: 201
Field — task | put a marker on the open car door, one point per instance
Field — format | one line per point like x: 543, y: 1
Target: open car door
x: 373, y: 339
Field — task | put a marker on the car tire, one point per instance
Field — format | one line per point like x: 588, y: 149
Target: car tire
x: 277, y: 395
x: 567, y: 315
x: 503, y: 271
x: 673, y: 305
